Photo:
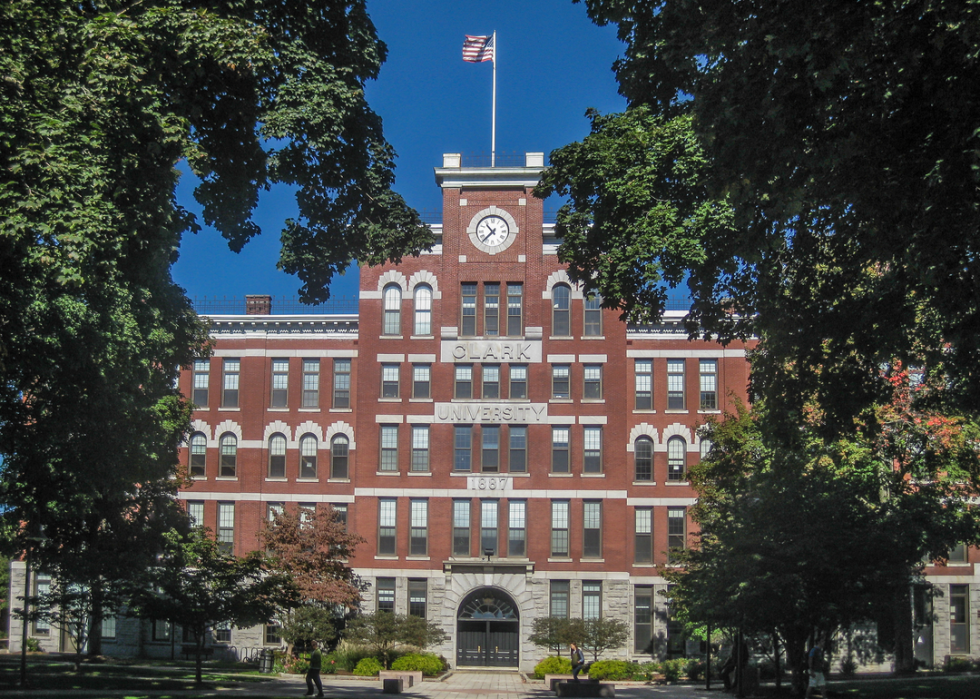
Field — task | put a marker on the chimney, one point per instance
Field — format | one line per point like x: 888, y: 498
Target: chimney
x: 258, y: 305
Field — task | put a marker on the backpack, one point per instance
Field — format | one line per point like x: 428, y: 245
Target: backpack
x: 816, y: 659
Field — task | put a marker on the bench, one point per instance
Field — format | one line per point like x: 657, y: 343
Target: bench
x: 392, y: 685
x: 410, y: 677
x: 189, y: 651
x: 592, y: 688
x: 551, y: 680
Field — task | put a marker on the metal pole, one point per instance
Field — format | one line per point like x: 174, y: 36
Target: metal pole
x: 27, y: 609
x: 707, y: 659
x: 493, y: 119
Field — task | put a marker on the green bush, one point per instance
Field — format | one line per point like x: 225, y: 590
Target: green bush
x: 553, y: 665
x: 955, y: 664
x: 647, y: 671
x: 694, y: 669
x: 33, y: 645
x: 613, y: 670
x: 367, y: 667
x: 429, y: 664
x: 672, y: 669
x: 349, y: 656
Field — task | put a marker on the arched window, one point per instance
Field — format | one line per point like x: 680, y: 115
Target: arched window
x: 593, y: 316
x: 199, y: 451
x: 393, y: 310
x: 307, y: 456
x: 338, y: 456
x: 277, y: 456
x: 643, y: 459
x: 229, y: 456
x: 560, y: 295
x: 423, y: 309
x: 705, y: 448
x: 676, y: 459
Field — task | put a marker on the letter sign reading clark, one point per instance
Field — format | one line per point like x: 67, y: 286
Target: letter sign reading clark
x: 519, y: 351
x: 520, y: 413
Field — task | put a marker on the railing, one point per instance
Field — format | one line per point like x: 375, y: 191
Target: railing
x: 281, y: 305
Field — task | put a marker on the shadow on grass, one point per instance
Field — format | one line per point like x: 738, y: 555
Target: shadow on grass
x: 925, y: 686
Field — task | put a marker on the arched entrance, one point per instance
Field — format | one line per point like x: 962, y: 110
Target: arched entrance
x: 487, y: 630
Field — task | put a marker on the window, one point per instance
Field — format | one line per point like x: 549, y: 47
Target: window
x: 229, y: 456
x: 423, y: 310
x: 591, y: 599
x: 222, y: 632
x: 517, y: 528
x: 389, y: 448
x: 490, y: 459
x: 518, y: 381
x: 488, y: 526
x: 311, y: 383
x: 392, y: 310
x: 642, y: 617
x: 593, y: 316
x: 307, y: 514
x: 705, y: 448
x: 560, y: 299
x: 491, y: 309
x: 307, y: 456
x: 461, y: 527
x: 643, y: 459
x: 559, y: 449
x: 417, y: 590
x: 518, y: 449
x: 559, y: 381
x: 676, y: 530
x: 420, y: 381
x: 161, y: 630
x: 340, y: 512
x: 559, y: 528
x: 338, y: 456
x: 464, y: 381
x: 389, y: 380
x: 959, y: 619
x: 280, y: 383
x: 709, y: 384
x: 42, y: 586
x: 274, y: 509
x: 467, y: 321
x: 229, y: 393
x: 591, y: 529
x: 341, y: 383
x: 676, y: 459
x: 420, y: 448
x: 463, y: 449
x: 592, y: 389
x: 195, y: 512
x: 277, y: 456
x: 226, y: 526
x: 958, y: 554
x: 202, y: 377
x: 491, y: 381
x: 675, y: 384
x: 558, y: 606
x: 199, y: 453
x: 592, y: 449
x: 109, y: 627
x: 386, y: 526
x: 514, y: 302
x: 386, y: 594
x: 272, y: 634
x: 643, y: 370
x: 643, y: 532
x: 418, y: 544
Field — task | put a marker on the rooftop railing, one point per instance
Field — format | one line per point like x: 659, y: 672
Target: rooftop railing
x: 280, y: 306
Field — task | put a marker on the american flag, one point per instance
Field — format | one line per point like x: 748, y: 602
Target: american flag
x: 477, y: 49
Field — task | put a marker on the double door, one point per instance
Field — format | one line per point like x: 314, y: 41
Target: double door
x: 486, y: 643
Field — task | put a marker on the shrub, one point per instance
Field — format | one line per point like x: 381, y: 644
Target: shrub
x: 694, y: 669
x: 553, y: 665
x: 672, y: 669
x: 954, y: 664
x: 296, y: 666
x: 348, y: 656
x: 367, y: 667
x: 33, y: 645
x: 429, y: 664
x: 848, y: 667
x: 647, y: 671
x: 613, y: 670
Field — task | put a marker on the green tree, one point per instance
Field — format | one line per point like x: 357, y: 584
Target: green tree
x: 555, y: 632
x: 386, y: 631
x: 600, y: 634
x: 309, y: 622
x: 100, y: 100
x: 196, y: 586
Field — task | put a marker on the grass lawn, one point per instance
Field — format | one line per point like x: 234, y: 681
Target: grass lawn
x: 925, y: 686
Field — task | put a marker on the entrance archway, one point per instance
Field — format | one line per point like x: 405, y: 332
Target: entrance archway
x: 487, y: 630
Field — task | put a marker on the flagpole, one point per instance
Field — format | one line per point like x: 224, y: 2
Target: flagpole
x: 493, y: 121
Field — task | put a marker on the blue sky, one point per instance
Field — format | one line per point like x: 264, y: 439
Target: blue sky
x: 553, y: 64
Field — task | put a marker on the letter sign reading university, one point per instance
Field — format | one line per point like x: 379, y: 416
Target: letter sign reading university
x: 517, y: 351
x: 517, y: 413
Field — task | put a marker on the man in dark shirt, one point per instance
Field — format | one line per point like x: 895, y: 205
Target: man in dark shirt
x: 313, y: 674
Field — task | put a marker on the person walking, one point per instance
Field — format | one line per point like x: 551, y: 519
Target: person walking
x: 817, y: 665
x: 313, y: 674
x: 578, y: 660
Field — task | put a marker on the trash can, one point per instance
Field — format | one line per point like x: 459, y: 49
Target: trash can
x: 266, y: 660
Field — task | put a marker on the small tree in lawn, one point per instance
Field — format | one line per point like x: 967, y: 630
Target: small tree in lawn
x: 198, y: 587
x: 554, y: 632
x: 309, y: 622
x: 602, y: 633
x: 383, y: 632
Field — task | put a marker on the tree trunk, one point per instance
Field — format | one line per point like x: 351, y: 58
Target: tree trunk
x: 904, y: 643
x: 199, y: 651
x: 776, y: 661
x: 95, y: 628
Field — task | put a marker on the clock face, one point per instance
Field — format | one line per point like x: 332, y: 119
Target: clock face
x: 492, y: 231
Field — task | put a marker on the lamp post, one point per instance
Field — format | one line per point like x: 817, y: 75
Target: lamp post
x: 30, y: 539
